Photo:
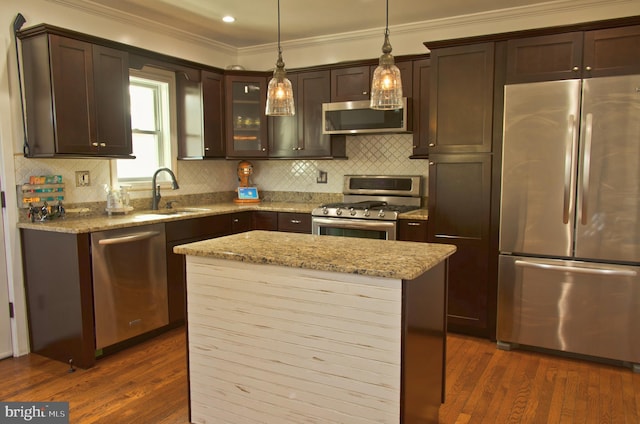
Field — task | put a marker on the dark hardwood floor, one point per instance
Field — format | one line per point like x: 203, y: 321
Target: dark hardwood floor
x: 148, y: 384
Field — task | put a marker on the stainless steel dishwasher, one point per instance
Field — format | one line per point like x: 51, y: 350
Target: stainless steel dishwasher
x: 129, y: 282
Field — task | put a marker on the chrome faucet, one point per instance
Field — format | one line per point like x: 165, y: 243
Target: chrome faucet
x: 156, y: 188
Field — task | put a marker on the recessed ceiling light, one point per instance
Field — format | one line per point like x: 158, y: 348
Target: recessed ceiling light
x: 229, y: 19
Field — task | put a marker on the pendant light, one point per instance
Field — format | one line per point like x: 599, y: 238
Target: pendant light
x: 386, y: 86
x: 279, y: 92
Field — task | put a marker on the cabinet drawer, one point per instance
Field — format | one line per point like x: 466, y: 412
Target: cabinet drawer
x: 265, y: 221
x: 241, y: 222
x: 294, y: 222
x: 198, y: 227
x: 412, y: 230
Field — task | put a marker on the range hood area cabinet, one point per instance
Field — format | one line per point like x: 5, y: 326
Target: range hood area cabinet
x: 76, y: 96
x: 301, y: 136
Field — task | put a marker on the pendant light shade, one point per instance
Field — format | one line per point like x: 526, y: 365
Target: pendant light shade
x: 279, y: 92
x: 386, y: 85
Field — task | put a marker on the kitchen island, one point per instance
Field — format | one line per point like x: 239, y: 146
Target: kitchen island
x: 287, y: 327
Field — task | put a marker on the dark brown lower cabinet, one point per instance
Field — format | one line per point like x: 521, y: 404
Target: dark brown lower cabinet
x: 265, y: 220
x: 412, y: 230
x: 182, y: 232
x: 59, y: 293
x: 292, y: 222
x: 241, y: 222
x: 459, y: 214
x: 59, y: 286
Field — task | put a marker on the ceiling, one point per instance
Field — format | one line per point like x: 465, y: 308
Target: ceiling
x: 256, y: 20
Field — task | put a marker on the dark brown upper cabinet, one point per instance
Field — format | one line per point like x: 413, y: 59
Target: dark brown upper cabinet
x: 612, y: 51
x: 420, y: 107
x: 301, y: 135
x: 200, y: 115
x: 348, y: 84
x: 595, y: 53
x: 406, y: 74
x: 213, y: 114
x: 76, y: 96
x: 246, y: 123
x: 544, y: 58
x: 461, y: 99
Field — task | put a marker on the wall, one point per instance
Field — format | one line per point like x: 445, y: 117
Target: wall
x: 366, y: 154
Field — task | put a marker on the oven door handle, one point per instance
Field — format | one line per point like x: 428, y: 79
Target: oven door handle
x: 354, y: 224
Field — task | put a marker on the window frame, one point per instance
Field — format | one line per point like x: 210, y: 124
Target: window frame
x: 169, y: 122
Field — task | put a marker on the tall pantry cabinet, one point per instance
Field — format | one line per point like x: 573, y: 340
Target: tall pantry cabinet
x: 462, y: 162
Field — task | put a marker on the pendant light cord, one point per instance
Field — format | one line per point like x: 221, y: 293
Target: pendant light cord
x: 386, y: 30
x: 279, y: 48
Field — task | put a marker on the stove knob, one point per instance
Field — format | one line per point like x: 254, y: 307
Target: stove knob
x: 381, y: 213
x: 367, y: 213
x: 325, y: 211
x: 338, y: 211
x: 352, y: 211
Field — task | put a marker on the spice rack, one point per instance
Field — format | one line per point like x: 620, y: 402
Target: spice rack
x: 37, y: 194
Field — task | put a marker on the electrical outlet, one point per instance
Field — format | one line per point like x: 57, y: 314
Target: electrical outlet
x: 322, y: 177
x: 82, y: 179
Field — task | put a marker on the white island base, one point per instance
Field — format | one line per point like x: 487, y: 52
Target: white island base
x: 278, y: 344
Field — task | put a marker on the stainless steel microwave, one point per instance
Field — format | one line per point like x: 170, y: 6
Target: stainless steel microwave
x: 358, y: 118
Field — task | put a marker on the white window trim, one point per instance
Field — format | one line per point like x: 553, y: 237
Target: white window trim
x: 169, y: 78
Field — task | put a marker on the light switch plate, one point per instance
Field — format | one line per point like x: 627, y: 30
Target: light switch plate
x: 322, y: 177
x: 82, y: 179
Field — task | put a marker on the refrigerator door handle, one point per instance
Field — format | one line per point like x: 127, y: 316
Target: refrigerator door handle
x: 577, y: 269
x: 586, y: 167
x: 568, y: 169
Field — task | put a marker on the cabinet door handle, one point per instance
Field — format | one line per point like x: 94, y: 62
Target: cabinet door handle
x: 264, y: 149
x: 94, y: 144
x: 588, y: 68
x: 364, y: 93
x: 431, y: 163
x: 206, y: 149
x: 414, y: 224
x: 236, y: 220
x: 103, y: 144
x: 296, y: 221
x: 432, y: 144
x: 575, y: 69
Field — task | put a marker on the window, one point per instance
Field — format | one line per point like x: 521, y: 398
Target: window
x: 153, y: 129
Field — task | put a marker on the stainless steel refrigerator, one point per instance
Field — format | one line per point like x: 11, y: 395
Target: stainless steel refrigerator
x: 569, y: 269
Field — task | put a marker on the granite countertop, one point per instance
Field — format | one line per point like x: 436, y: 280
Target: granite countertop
x: 376, y: 258
x: 78, y: 225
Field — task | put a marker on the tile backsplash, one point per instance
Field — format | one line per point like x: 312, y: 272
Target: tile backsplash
x: 371, y: 154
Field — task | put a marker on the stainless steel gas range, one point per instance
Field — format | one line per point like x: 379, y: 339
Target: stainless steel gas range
x: 371, y: 206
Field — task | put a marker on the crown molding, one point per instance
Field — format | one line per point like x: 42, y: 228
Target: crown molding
x: 141, y: 22
x: 478, y: 23
x: 475, y: 21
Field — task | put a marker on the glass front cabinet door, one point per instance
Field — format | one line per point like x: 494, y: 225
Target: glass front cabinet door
x: 246, y: 121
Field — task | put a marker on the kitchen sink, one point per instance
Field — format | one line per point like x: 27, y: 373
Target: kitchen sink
x: 171, y: 212
x: 180, y: 211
